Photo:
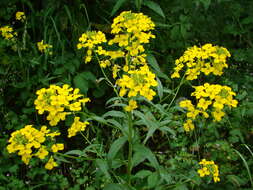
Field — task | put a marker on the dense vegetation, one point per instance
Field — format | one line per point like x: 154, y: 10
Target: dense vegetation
x: 93, y: 96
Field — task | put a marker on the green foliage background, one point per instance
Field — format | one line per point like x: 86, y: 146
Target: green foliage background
x: 179, y: 24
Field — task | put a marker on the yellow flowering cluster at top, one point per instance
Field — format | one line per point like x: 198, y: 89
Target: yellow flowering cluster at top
x: 206, y: 59
x: 59, y: 102
x: 44, y: 48
x: 131, y: 31
x: 20, y: 16
x: 209, y: 168
x: 29, y: 142
x: 207, y: 96
x: 8, y: 33
x: 90, y: 40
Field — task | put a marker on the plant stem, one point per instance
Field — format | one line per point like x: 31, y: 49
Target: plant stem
x: 178, y: 88
x: 66, y: 155
x: 106, y: 78
x: 130, y: 147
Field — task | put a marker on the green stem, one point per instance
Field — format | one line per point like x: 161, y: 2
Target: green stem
x: 85, y: 138
x: 106, y: 78
x: 178, y: 88
x: 66, y: 155
x: 130, y: 148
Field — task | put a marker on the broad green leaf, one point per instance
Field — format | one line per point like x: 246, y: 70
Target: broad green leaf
x: 153, y: 180
x: 82, y: 83
x: 146, y: 153
x: 159, y: 88
x: 114, y: 113
x: 154, y: 6
x: 115, y: 147
x: 103, y: 166
x: 152, y: 61
x: 143, y: 174
x: 117, y: 125
x: 180, y: 187
x: 99, y: 119
x: 165, y: 175
x: 75, y: 152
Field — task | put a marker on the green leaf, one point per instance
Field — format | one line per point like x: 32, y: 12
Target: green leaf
x: 75, y: 152
x: 143, y: 174
x: 116, y: 124
x: 145, y: 153
x: 62, y: 159
x: 116, y: 7
x: 114, y: 114
x: 152, y: 61
x: 155, y: 7
x: 159, y: 88
x: 153, y: 180
x: 115, y: 147
x: 99, y: 119
x: 103, y: 166
x: 180, y: 187
x: 81, y: 82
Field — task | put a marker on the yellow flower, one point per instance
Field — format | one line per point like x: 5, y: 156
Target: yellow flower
x: 209, y: 168
x: 20, y: 16
x: 59, y: 102
x: 138, y: 82
x: 42, y: 153
x: 28, y: 142
x: 57, y: 147
x: 206, y: 59
x: 44, y: 48
x: 51, y: 164
x: 90, y: 40
x: 132, y: 105
x: 8, y: 33
x: 188, y: 125
x: 76, y: 127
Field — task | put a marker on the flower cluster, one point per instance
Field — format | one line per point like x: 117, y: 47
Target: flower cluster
x: 90, y: 40
x: 30, y: 142
x: 59, y: 102
x: 20, y: 16
x: 211, y: 96
x: 209, y: 168
x: 131, y: 31
x: 77, y: 126
x: 44, y: 48
x: 206, y: 59
x: 137, y: 82
x: 8, y: 33
x: 216, y: 96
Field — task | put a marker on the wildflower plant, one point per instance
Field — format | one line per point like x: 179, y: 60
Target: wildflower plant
x: 137, y: 119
